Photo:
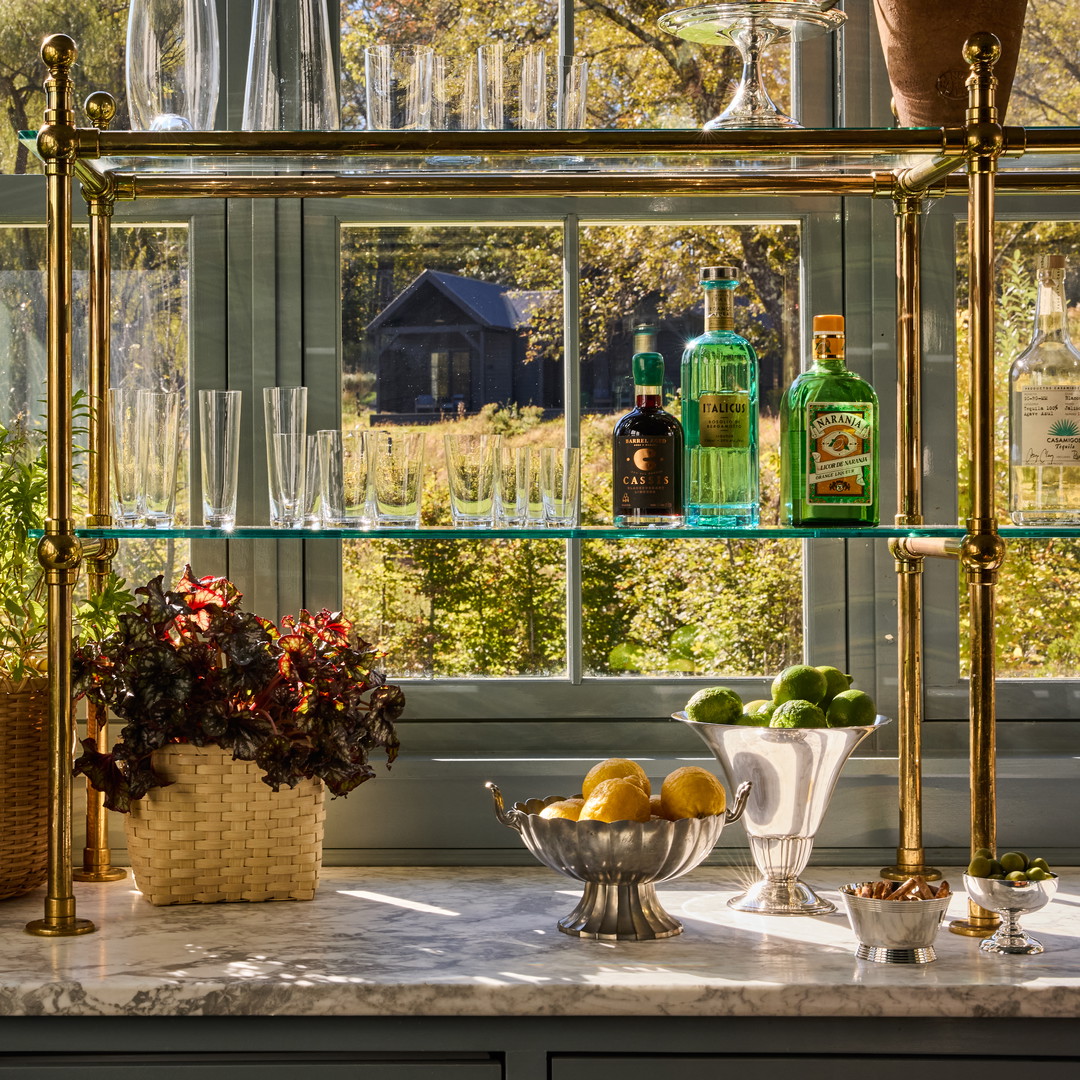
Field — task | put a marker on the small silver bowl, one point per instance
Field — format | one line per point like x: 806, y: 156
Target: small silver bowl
x: 1011, y: 899
x: 620, y: 863
x: 894, y: 931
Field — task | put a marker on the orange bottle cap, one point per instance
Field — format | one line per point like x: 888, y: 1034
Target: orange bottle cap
x: 828, y: 324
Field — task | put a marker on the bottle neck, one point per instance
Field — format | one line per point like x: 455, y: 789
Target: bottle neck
x: 647, y: 397
x: 1050, y: 307
x: 719, y: 308
x: 829, y: 351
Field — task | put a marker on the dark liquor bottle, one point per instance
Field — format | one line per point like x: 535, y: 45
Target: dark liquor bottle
x: 720, y: 412
x: 829, y: 439
x: 647, y: 447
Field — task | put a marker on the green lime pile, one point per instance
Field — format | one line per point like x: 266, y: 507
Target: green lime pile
x: 802, y: 697
x: 1012, y: 866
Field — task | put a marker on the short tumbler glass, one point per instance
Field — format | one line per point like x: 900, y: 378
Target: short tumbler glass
x: 471, y: 462
x: 397, y: 464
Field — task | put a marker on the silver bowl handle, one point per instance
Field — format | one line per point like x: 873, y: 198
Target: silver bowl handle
x: 510, y: 818
x: 741, y: 795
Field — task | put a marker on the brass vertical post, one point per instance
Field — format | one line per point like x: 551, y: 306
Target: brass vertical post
x: 59, y: 550
x: 910, y: 855
x: 983, y: 549
x: 100, y: 108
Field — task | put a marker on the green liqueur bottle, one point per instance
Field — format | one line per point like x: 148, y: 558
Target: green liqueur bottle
x: 829, y: 439
x: 720, y: 413
x: 647, y: 447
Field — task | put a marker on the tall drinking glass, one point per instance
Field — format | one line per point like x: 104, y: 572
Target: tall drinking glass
x: 285, y: 410
x: 173, y: 61
x: 291, y: 77
x: 398, y: 91
x: 160, y: 415
x: 513, y: 88
x: 560, y: 476
x: 471, y: 461
x: 397, y: 464
x: 312, y: 485
x: 516, y: 466
x: 343, y: 469
x: 219, y: 438
x: 125, y: 452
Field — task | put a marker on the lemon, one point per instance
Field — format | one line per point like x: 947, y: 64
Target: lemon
x: 656, y: 806
x: 715, y: 705
x: 564, y: 808
x: 799, y: 682
x: 852, y: 708
x: 836, y: 682
x: 615, y: 768
x: 616, y: 800
x: 692, y: 792
x: 797, y: 714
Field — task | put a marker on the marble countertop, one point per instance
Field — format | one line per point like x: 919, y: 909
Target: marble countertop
x: 477, y: 941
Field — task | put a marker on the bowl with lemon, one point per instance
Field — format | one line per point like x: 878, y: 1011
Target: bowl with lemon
x: 621, y: 838
x: 792, y: 747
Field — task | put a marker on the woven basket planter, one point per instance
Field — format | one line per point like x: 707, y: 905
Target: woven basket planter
x: 24, y: 786
x: 218, y: 833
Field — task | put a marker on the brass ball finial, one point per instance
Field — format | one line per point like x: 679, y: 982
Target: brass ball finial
x: 59, y: 51
x: 100, y: 108
x: 982, y: 48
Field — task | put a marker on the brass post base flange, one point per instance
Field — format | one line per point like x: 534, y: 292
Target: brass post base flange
x: 99, y: 873
x: 63, y: 928
x: 975, y: 926
x: 902, y: 873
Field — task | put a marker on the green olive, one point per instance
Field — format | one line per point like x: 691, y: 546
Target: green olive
x: 979, y: 866
x: 1016, y: 875
x: 1013, y: 860
x: 1037, y: 873
x: 1039, y: 864
x: 982, y: 853
x: 996, y: 869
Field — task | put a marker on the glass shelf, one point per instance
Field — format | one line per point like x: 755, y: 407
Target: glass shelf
x: 584, y: 532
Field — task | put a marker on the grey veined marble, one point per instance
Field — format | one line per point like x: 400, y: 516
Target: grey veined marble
x: 483, y: 942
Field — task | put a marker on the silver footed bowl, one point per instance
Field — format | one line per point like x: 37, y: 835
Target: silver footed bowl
x: 1011, y: 899
x: 620, y: 863
x: 894, y: 931
x: 793, y: 772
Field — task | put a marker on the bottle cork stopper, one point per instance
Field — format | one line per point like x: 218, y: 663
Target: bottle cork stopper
x: 1049, y: 262
x: 828, y: 324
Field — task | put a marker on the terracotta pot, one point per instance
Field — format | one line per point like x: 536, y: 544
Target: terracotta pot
x: 923, y: 42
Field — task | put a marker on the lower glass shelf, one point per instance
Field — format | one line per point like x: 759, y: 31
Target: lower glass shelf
x: 584, y: 532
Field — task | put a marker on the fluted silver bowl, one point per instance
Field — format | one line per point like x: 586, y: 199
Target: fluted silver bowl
x: 1011, y: 899
x: 894, y: 931
x: 620, y: 862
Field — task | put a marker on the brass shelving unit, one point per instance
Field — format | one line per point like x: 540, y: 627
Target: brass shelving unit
x: 951, y: 160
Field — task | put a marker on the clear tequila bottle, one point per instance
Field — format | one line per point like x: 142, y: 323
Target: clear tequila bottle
x: 720, y: 412
x: 1044, y: 412
x: 829, y: 439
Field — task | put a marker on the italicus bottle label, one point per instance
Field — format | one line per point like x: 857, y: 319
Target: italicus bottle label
x: 839, y: 452
x: 1050, y: 425
x: 724, y: 420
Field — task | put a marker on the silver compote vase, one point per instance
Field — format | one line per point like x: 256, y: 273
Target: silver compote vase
x: 792, y: 772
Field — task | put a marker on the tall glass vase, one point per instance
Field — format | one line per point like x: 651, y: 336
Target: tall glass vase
x: 291, y: 78
x: 173, y: 62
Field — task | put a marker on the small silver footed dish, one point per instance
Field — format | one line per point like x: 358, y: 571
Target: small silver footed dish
x: 1011, y: 899
x: 894, y: 931
x: 620, y: 863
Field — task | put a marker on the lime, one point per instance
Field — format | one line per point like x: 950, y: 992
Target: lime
x: 852, y: 708
x: 715, y: 705
x: 1012, y: 861
x: 757, y: 713
x: 979, y: 866
x: 799, y: 682
x: 757, y: 703
x: 836, y: 682
x: 797, y: 714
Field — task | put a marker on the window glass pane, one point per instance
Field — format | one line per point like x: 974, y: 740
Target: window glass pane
x: 703, y: 607
x: 1038, y: 628
x: 641, y: 76
x: 1046, y: 90
x: 150, y: 346
x: 99, y: 27
x: 456, y: 330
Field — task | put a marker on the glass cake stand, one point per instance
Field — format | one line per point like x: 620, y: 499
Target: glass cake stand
x: 751, y: 26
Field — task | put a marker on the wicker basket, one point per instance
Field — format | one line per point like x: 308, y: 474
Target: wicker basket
x: 219, y: 833
x: 24, y: 786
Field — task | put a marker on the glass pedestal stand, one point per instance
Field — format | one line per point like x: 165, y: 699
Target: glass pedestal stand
x: 751, y: 28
